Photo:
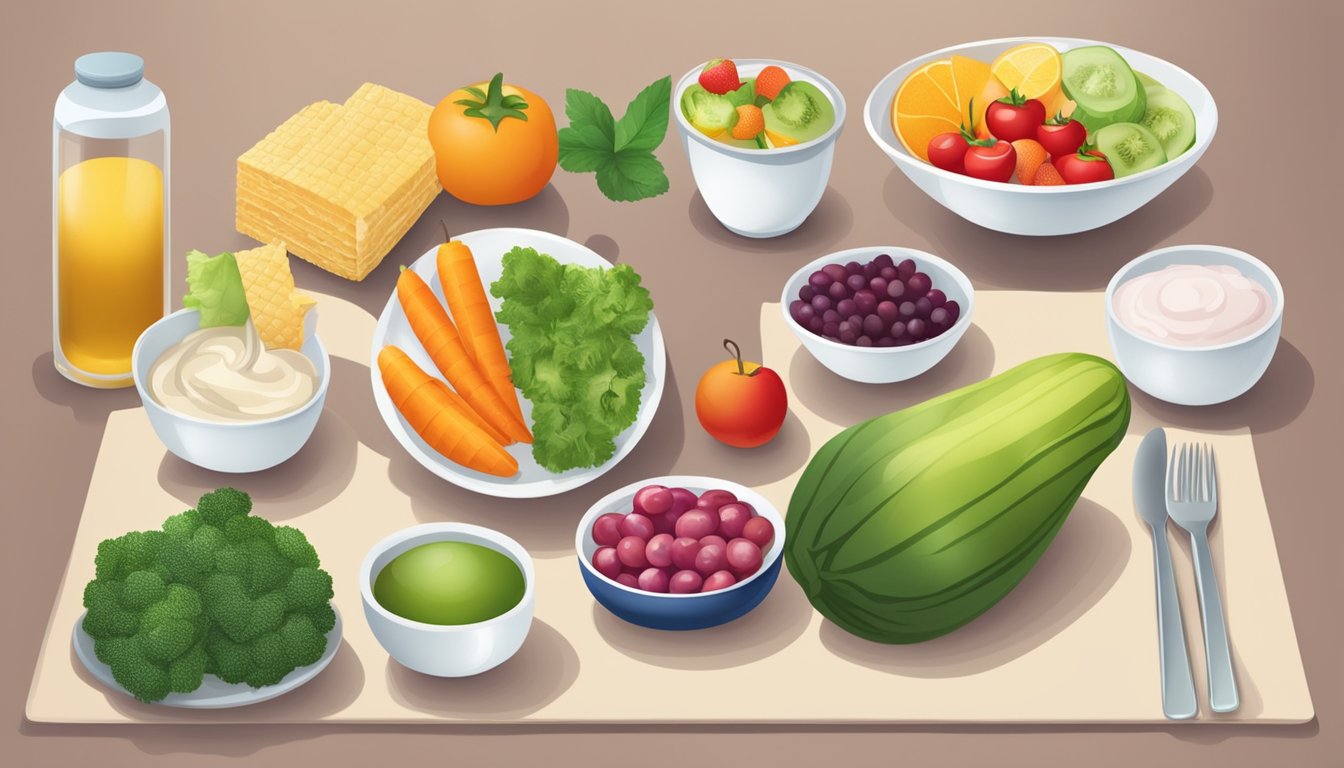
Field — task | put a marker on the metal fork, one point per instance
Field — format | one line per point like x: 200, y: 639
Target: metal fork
x: 1192, y: 502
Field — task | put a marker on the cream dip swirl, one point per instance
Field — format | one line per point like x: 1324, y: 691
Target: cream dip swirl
x: 226, y: 374
x: 1190, y: 305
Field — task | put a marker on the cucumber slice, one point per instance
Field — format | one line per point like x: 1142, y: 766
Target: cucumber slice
x: 1149, y: 84
x: 1103, y: 86
x: 1171, y: 121
x: 1130, y: 148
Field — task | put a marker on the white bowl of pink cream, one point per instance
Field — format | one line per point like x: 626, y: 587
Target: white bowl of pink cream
x: 1194, y: 324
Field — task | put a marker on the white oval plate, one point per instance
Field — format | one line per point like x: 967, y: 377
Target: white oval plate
x: 213, y: 693
x: 532, y: 480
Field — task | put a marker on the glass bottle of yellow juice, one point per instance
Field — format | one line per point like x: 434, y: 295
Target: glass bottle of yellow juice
x: 110, y: 217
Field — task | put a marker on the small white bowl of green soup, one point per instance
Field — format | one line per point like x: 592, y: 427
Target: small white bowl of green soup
x: 449, y: 599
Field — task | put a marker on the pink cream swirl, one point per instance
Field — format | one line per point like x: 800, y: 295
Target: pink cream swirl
x: 1188, y: 305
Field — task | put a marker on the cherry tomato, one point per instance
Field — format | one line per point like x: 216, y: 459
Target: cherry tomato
x: 991, y: 161
x: 1014, y: 117
x: 1084, y: 167
x: 1061, y: 136
x: 948, y: 151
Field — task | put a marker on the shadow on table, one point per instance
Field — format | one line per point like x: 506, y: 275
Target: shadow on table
x: 1086, y: 559
x: 844, y: 402
x: 543, y: 669
x: 786, y: 453
x: 543, y: 526
x: 830, y: 222
x: 1275, y: 401
x: 774, y: 624
x: 547, y: 211
x: 1085, y: 261
x: 88, y: 405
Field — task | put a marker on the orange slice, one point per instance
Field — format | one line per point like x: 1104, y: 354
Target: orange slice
x: 926, y: 105
x: 974, y: 81
x: 1034, y: 69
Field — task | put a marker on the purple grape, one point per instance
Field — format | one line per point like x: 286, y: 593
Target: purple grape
x: 873, y: 326
x: 838, y: 291
x: 821, y: 303
x: 870, y: 270
x: 830, y: 328
x: 806, y: 293
x: 854, y: 268
x: 835, y: 271
x: 888, y: 311
x: 855, y: 321
x: 897, y: 329
x: 830, y: 316
x: 903, y: 341
x: 919, y: 284
x: 845, y: 307
x: 936, y: 297
x: 863, y: 341
x: 917, y: 328
x: 953, y: 312
x: 886, y: 341
x: 939, y: 316
x: 923, y: 307
x: 848, y: 333
x: 794, y: 306
x: 819, y: 280
x: 865, y: 301
x: 815, y: 324
x: 856, y: 282
x: 878, y: 285
x: 895, y: 289
x: 889, y: 274
x: 907, y: 309
x: 883, y: 260
x: 805, y: 312
x: 906, y: 268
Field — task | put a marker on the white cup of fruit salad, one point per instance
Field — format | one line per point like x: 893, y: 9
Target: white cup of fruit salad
x: 764, y: 192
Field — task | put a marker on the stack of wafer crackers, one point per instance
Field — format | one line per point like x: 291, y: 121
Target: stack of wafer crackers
x: 340, y: 184
x: 276, y: 308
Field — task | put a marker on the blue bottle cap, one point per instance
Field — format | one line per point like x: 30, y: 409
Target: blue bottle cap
x: 109, y: 69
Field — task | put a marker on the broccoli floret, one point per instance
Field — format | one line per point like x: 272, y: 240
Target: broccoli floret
x: 220, y: 506
x: 215, y: 591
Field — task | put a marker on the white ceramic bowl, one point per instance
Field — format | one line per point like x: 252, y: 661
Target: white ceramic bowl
x: 1195, y: 375
x: 883, y: 365
x: 227, y: 446
x: 448, y: 650
x: 760, y: 192
x: 1024, y: 210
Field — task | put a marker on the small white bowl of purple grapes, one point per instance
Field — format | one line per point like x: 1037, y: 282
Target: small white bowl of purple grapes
x: 880, y: 314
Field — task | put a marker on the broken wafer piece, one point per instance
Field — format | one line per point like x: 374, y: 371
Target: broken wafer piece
x: 277, y: 309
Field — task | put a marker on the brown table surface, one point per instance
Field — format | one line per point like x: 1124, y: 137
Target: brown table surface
x: 232, y: 71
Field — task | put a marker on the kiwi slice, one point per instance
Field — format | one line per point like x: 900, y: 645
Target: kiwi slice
x: 800, y: 112
x: 710, y: 113
x: 1103, y: 86
x: 1130, y: 148
x: 1171, y: 121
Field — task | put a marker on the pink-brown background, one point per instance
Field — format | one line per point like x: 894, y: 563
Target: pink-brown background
x: 232, y: 71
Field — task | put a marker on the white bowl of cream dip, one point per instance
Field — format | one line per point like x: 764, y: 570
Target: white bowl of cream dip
x: 219, y: 399
x: 1194, y: 324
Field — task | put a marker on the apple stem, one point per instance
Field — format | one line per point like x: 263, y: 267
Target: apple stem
x: 736, y: 352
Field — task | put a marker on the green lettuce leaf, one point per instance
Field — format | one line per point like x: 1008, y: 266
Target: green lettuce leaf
x: 215, y: 288
x: 572, y: 353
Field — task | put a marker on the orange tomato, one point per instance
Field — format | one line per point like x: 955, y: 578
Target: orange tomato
x: 494, y: 143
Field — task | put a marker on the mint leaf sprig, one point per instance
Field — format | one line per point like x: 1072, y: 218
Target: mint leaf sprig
x: 620, y: 152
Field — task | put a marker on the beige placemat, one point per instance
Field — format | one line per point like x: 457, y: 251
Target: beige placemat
x: 1075, y: 642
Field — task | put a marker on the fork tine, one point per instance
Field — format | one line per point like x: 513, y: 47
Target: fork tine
x: 1198, y: 494
x: 1211, y: 477
x: 1185, y: 472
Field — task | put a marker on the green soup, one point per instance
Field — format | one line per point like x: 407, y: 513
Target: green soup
x: 449, y: 583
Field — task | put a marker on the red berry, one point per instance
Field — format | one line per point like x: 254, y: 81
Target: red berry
x: 720, y: 76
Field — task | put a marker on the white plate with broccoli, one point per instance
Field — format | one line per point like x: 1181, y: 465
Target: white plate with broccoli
x: 213, y: 693
x: 576, y: 438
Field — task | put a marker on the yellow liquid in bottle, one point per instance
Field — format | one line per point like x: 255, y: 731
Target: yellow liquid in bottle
x: 109, y: 260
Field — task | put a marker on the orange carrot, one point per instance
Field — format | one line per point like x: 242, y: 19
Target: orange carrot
x: 436, y: 332
x: 471, y: 311
x: 438, y: 419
